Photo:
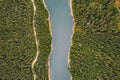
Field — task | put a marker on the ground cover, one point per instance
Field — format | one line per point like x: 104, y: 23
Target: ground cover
x: 17, y: 44
x: 95, y: 50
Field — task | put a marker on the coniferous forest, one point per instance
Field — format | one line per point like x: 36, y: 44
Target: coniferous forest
x: 95, y: 51
x: 17, y: 44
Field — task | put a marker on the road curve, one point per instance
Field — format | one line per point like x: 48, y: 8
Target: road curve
x: 36, y: 41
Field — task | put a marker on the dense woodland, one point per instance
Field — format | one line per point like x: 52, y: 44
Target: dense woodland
x: 17, y: 44
x: 95, y: 51
x: 44, y: 38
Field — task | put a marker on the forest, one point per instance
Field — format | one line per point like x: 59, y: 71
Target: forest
x: 17, y: 44
x: 95, y: 50
x: 44, y: 37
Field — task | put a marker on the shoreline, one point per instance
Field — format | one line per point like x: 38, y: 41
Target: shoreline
x: 71, y: 13
x: 51, y: 36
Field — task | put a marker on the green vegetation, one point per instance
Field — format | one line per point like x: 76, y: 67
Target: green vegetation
x: 95, y: 51
x: 17, y: 44
x: 44, y: 40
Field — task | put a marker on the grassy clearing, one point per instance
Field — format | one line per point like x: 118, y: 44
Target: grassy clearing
x: 95, y: 51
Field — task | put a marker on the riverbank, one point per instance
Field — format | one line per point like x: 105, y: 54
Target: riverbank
x: 44, y: 37
x: 96, y: 30
x: 51, y: 35
x: 71, y: 9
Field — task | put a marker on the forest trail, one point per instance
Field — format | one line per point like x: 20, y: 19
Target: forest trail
x: 36, y: 41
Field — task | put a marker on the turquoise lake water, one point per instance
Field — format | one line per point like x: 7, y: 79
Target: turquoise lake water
x: 61, y: 26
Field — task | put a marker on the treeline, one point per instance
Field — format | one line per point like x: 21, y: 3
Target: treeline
x: 95, y: 51
x: 17, y: 44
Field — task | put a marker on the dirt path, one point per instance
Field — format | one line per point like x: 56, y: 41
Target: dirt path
x: 36, y: 41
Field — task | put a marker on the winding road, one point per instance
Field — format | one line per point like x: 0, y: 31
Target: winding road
x: 36, y: 41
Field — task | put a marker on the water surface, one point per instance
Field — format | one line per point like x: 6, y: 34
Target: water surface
x: 61, y: 26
